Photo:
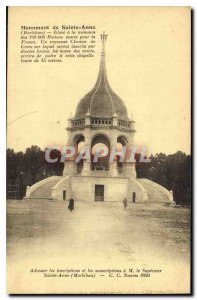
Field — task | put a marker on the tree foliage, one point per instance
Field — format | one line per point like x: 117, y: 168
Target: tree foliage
x: 25, y: 169
x: 172, y: 171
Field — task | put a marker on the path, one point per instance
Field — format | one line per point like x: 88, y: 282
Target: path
x: 98, y: 235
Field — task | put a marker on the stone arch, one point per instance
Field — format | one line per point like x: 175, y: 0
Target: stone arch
x: 103, y: 162
x: 123, y: 140
x: 101, y: 133
x: 77, y: 139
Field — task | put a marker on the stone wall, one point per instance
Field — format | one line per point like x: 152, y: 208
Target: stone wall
x: 62, y: 185
x: 115, y: 189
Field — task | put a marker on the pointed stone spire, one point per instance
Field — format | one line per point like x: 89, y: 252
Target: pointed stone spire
x: 103, y: 40
x: 102, y: 101
x: 102, y: 70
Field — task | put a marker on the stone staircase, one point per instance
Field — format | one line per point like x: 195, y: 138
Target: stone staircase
x: 156, y: 193
x: 44, y: 191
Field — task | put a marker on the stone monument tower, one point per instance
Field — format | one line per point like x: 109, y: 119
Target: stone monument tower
x: 101, y: 117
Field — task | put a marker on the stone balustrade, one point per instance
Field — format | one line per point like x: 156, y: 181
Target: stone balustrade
x: 101, y: 122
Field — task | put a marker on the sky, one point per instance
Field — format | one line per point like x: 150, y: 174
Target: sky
x: 148, y: 66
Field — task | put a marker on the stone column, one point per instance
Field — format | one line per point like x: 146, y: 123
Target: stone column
x: 70, y: 168
x: 113, y: 169
x: 86, y: 168
x: 87, y: 134
x: 113, y: 142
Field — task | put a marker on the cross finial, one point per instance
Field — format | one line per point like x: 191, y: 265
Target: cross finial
x: 103, y: 37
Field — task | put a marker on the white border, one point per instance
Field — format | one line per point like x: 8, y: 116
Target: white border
x: 100, y: 3
x: 3, y: 5
x: 2, y: 150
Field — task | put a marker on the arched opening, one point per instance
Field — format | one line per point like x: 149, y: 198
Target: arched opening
x: 121, y: 142
x: 119, y: 162
x: 79, y: 143
x: 100, y: 152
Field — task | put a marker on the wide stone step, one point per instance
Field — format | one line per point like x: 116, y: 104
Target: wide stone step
x: 44, y: 191
x: 155, y: 192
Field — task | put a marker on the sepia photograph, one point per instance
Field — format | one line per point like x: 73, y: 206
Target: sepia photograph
x: 99, y: 150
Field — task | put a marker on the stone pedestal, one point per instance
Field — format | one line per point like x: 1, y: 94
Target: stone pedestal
x: 27, y: 192
x: 129, y: 170
x: 171, y: 196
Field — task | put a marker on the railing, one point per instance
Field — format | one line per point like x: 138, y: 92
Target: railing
x: 124, y: 124
x: 78, y: 123
x: 102, y: 122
